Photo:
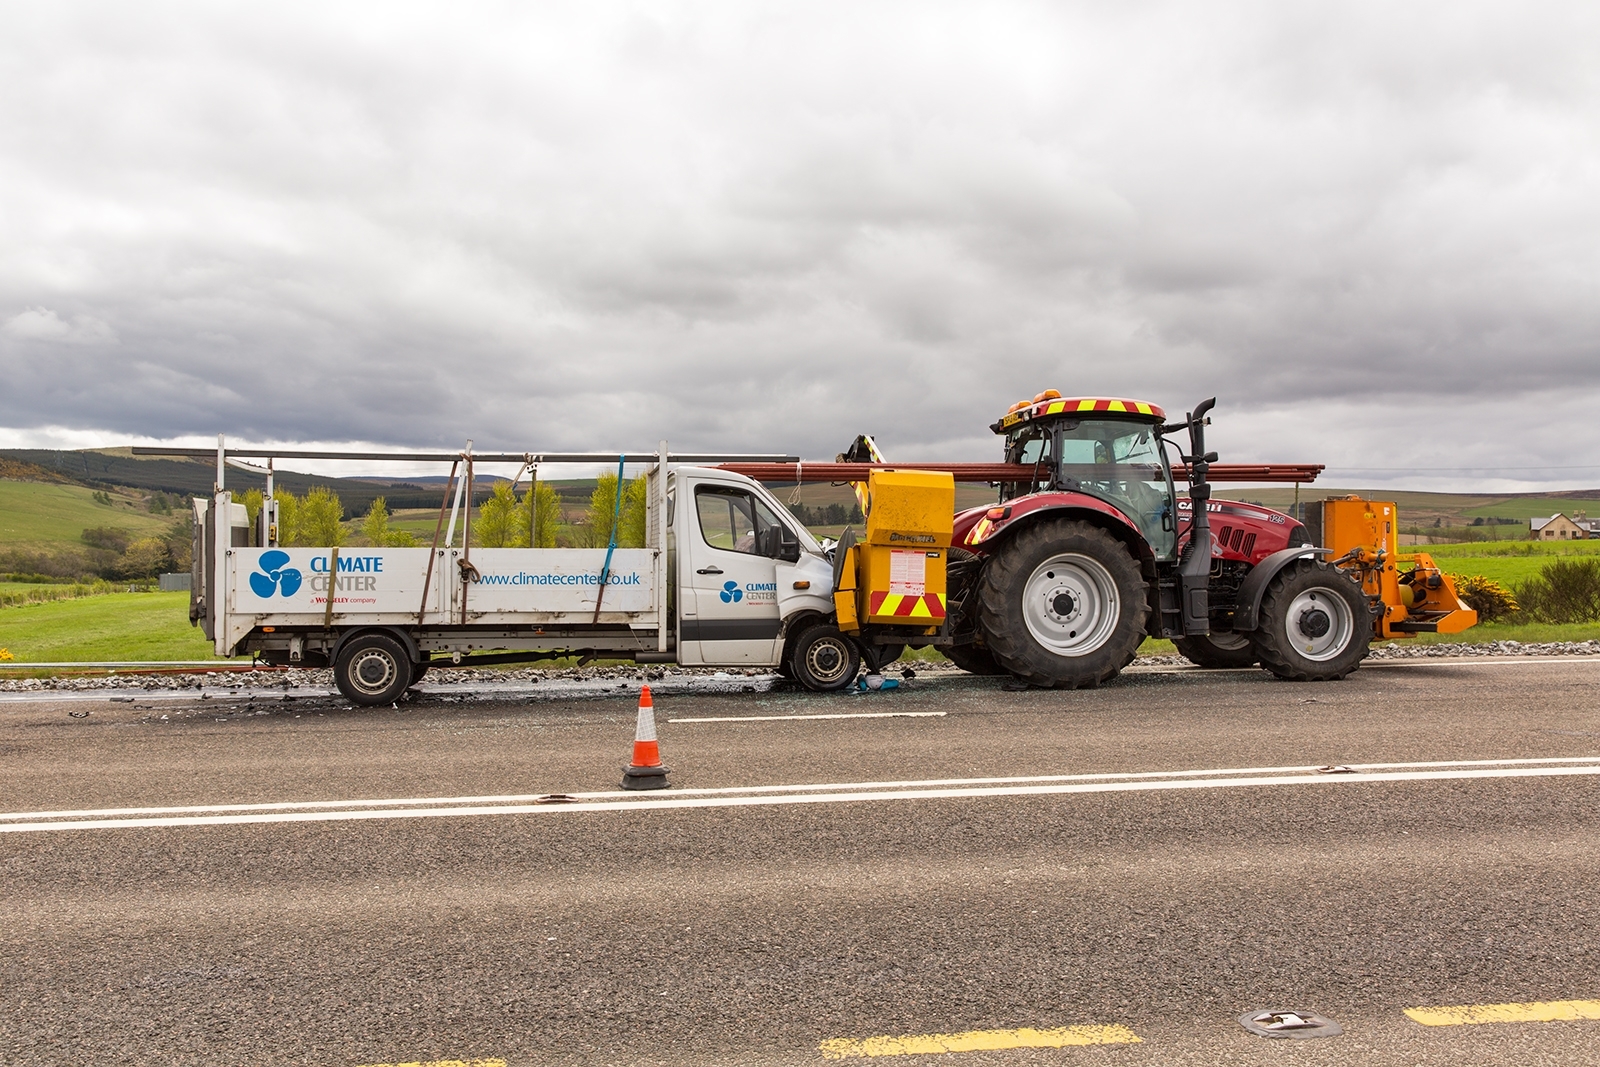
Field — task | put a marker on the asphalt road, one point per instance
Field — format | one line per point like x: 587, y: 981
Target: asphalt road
x: 762, y: 924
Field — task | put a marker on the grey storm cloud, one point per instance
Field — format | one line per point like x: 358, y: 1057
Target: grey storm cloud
x: 1372, y: 231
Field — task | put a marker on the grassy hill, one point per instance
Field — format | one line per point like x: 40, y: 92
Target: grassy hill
x: 1449, y: 510
x: 107, y: 468
x: 38, y: 515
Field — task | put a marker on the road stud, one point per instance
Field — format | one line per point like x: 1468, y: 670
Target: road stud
x: 646, y: 771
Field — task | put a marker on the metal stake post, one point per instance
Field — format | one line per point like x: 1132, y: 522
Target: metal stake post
x: 663, y: 616
x: 533, y: 504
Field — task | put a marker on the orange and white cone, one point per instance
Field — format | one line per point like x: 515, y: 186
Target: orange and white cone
x: 646, y: 771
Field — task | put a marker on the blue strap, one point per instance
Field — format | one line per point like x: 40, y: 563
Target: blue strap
x: 616, y: 514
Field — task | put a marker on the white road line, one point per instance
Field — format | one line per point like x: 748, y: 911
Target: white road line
x: 789, y: 718
x: 1431, y: 661
x: 1370, y: 664
x: 662, y: 803
x: 742, y: 790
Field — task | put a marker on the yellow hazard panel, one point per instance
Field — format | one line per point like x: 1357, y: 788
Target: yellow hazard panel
x: 911, y: 508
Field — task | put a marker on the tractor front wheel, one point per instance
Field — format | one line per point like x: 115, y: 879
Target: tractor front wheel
x: 1063, y: 605
x: 1315, y: 625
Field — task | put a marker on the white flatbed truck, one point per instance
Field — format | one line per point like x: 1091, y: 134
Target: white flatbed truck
x: 728, y: 578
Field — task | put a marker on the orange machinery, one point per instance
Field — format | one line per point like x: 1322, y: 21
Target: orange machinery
x: 1414, y: 595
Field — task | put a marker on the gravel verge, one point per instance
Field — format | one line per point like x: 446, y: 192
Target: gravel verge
x: 296, y: 678
x: 290, y: 680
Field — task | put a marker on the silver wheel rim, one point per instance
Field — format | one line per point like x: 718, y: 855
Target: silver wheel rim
x: 828, y: 659
x: 1070, y: 604
x: 372, y: 671
x: 1320, y: 624
x: 1229, y: 642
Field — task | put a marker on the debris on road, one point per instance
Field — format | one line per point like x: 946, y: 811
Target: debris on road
x: 1293, y: 1024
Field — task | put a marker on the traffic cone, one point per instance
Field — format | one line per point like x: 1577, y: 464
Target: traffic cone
x: 646, y: 771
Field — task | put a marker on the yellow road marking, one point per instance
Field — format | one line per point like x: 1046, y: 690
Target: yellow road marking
x: 1549, y: 1011
x: 441, y: 1063
x: 977, y: 1041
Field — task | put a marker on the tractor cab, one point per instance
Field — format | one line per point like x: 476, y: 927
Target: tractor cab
x: 1107, y: 449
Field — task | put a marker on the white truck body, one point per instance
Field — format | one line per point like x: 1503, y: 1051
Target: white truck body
x: 711, y: 588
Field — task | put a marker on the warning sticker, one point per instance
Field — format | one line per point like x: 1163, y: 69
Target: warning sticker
x: 908, y: 572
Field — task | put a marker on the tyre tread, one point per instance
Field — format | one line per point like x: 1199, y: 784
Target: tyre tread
x: 1202, y: 653
x: 1270, y: 639
x: 1006, y: 634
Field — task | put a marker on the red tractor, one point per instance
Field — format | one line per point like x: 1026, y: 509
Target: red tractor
x: 1092, y: 551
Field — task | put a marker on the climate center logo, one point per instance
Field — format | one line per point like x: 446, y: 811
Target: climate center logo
x: 274, y: 575
x: 731, y: 593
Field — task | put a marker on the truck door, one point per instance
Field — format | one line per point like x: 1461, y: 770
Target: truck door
x: 727, y: 577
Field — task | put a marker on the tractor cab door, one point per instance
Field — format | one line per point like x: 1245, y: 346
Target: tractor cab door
x: 728, y: 549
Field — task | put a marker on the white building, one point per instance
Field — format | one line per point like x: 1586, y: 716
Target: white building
x: 1560, y: 528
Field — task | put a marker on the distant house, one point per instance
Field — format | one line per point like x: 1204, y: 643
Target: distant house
x: 1560, y: 528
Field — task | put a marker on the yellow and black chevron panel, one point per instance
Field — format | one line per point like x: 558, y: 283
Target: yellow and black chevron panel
x: 1082, y: 405
x: 907, y: 606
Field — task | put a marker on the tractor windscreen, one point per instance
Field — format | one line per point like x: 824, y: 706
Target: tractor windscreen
x: 1119, y: 461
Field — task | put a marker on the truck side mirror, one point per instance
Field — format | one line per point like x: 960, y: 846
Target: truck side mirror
x: 788, y: 545
x: 778, y: 542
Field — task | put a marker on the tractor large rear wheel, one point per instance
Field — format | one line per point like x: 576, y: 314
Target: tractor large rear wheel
x: 1218, y: 651
x: 1315, y: 625
x: 1063, y: 605
x: 974, y: 659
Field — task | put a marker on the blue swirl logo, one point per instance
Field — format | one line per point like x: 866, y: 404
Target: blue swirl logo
x: 275, y: 575
x: 731, y: 593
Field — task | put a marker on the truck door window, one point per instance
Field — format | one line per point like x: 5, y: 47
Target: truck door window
x: 732, y: 519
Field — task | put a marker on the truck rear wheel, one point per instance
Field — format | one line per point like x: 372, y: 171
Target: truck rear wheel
x: 1314, y: 624
x: 823, y: 659
x: 372, y: 669
x: 1063, y: 605
x: 1219, y: 651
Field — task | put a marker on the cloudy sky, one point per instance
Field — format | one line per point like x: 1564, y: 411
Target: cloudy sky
x: 1372, y: 230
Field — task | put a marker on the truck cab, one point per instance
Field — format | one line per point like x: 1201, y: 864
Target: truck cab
x: 748, y: 573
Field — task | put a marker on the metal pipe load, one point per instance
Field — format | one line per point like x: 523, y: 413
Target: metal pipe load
x: 991, y: 473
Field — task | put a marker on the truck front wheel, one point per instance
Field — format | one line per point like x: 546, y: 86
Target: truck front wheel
x: 1063, y: 605
x: 372, y: 669
x: 823, y: 659
x: 1314, y: 624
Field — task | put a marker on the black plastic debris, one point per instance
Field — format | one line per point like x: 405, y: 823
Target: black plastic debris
x: 1300, y: 1025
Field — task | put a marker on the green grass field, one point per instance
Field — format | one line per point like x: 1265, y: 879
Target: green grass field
x: 120, y: 626
x: 25, y: 587
x: 1507, y: 562
x: 34, y: 514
